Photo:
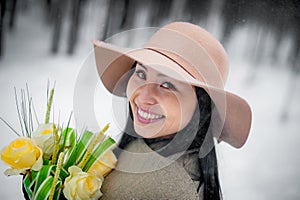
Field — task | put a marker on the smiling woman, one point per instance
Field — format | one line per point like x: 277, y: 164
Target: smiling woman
x: 177, y: 106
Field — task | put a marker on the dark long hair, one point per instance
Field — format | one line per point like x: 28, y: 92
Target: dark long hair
x: 208, y: 166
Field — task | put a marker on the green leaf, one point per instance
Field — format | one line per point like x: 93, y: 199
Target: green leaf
x: 28, y: 190
x: 46, y: 162
x: 58, y: 190
x: 103, y: 147
x: 43, y: 174
x: 67, y: 139
x: 27, y: 186
x: 78, y: 152
x: 29, y: 181
x: 44, y: 189
x: 63, y: 173
x: 71, y: 140
x: 38, y: 186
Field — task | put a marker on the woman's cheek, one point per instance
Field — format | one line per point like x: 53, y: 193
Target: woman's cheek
x: 129, y: 88
x: 179, y: 110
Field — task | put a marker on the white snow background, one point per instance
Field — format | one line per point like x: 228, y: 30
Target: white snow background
x: 267, y: 167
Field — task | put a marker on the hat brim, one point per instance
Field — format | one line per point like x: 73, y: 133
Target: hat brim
x: 232, y: 118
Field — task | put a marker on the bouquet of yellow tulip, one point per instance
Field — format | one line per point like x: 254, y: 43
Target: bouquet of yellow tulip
x: 55, y: 163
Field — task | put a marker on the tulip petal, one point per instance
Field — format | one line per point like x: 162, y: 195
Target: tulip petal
x: 81, y: 185
x: 39, y: 163
x: 12, y: 172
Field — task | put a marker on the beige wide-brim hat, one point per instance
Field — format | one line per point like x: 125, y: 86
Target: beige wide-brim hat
x: 187, y: 53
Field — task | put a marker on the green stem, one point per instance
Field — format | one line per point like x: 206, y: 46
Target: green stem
x: 57, y: 171
x: 49, y: 104
x: 92, y: 146
x: 56, y: 145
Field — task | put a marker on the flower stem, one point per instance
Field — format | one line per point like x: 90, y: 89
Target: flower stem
x: 49, y: 104
x: 57, y: 171
x: 56, y: 145
x: 92, y: 145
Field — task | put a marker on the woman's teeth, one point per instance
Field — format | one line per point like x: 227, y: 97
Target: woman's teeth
x: 148, y: 116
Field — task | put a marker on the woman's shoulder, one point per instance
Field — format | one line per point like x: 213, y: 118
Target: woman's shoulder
x: 169, y: 180
x: 189, y: 161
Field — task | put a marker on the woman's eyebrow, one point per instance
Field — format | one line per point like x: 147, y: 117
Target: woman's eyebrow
x: 162, y: 75
x: 143, y: 66
x: 159, y: 74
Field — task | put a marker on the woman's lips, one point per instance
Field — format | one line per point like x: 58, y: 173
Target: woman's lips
x: 147, y: 117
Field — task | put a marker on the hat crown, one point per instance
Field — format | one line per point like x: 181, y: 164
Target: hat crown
x: 193, y: 48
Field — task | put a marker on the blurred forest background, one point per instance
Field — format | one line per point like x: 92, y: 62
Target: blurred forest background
x: 272, y: 26
x: 277, y: 19
x: 42, y: 38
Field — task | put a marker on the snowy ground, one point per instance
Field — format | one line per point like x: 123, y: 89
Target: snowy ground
x: 265, y: 168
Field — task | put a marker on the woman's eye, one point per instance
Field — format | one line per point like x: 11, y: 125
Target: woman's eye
x: 168, y: 85
x: 141, y: 74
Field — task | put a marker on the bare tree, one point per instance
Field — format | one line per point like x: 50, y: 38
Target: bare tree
x: 75, y: 25
x: 57, y: 16
x: 2, y: 14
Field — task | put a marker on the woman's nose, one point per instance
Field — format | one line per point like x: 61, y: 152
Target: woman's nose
x: 147, y: 94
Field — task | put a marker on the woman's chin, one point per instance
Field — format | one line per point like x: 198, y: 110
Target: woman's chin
x: 147, y: 131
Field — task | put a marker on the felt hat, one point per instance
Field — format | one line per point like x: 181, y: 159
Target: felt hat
x: 185, y: 52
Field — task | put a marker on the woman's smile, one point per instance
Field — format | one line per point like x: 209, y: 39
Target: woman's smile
x: 146, y: 117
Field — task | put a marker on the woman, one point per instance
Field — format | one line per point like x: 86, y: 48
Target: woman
x: 175, y: 88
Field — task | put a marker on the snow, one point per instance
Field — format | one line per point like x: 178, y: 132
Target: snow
x: 265, y: 168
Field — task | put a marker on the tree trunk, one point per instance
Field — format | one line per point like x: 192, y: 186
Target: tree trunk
x: 2, y: 13
x: 57, y: 17
x: 75, y: 22
x: 12, y: 17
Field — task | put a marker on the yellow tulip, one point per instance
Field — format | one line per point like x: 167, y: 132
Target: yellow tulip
x: 22, y: 154
x: 44, y: 138
x: 104, y: 164
x: 81, y: 185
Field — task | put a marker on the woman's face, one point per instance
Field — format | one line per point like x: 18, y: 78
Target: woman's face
x: 161, y: 105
